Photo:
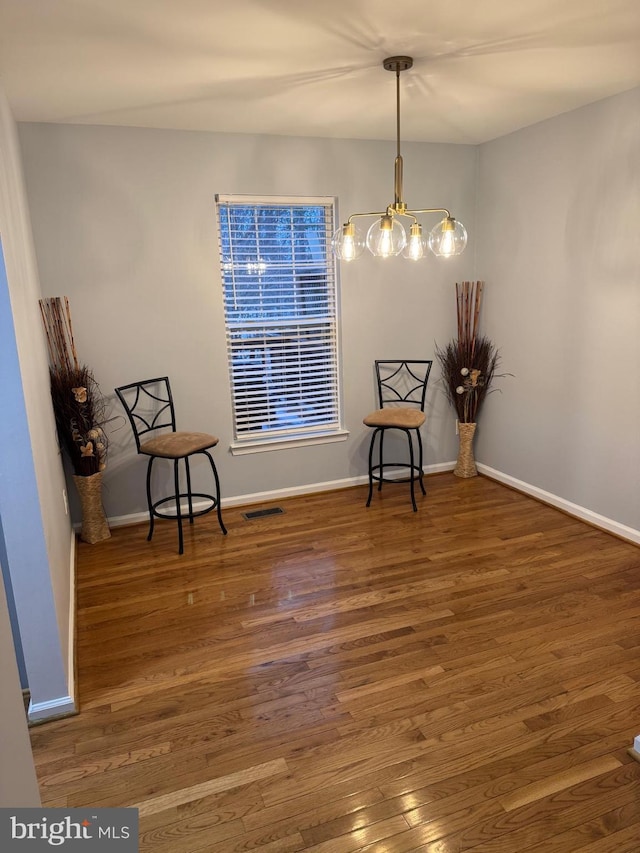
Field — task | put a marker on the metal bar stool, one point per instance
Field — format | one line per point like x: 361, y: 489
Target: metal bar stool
x: 149, y: 407
x: 402, y: 389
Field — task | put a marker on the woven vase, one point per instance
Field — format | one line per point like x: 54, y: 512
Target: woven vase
x: 466, y: 464
x: 95, y: 527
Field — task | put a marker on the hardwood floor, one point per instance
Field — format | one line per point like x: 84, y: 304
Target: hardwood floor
x: 333, y: 679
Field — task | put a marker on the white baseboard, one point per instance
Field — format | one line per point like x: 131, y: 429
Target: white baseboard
x: 600, y: 521
x: 278, y: 494
x: 63, y: 706
x: 71, y: 658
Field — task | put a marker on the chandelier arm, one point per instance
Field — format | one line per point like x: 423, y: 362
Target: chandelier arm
x: 431, y: 210
x: 373, y: 213
x: 392, y: 211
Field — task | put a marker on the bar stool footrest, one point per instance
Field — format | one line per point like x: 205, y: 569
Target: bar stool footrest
x: 379, y: 477
x: 171, y: 499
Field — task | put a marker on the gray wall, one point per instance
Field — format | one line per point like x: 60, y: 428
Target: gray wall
x: 124, y: 225
x: 24, y: 554
x: 557, y: 242
x: 11, y: 604
x: 36, y: 530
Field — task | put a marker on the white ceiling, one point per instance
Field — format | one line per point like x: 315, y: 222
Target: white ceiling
x: 482, y: 68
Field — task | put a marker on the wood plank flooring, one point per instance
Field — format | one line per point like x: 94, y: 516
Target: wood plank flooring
x: 337, y: 679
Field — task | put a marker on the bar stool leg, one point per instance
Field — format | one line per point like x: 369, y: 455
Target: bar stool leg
x: 412, y: 470
x: 217, y: 479
x: 421, y: 472
x: 176, y: 477
x: 381, y: 431
x: 371, y: 444
x: 189, y: 497
x: 149, y: 504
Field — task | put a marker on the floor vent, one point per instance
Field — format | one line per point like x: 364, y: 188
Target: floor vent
x: 260, y: 513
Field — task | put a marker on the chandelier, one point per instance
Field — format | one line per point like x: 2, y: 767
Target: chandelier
x: 387, y: 236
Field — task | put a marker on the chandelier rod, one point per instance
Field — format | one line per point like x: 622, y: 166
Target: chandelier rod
x: 398, y: 110
x: 398, y: 203
x: 398, y: 64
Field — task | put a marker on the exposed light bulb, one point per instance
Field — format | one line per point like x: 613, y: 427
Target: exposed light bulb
x: 348, y: 249
x: 414, y: 249
x: 384, y: 243
x: 447, y: 244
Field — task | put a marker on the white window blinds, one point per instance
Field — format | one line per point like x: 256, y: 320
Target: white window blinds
x: 278, y: 277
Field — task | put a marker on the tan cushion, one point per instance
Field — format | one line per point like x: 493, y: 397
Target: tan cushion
x: 396, y: 416
x: 175, y: 445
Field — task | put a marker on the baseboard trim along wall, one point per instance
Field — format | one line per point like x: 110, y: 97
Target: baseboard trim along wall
x: 279, y: 494
x: 71, y: 653
x: 63, y: 706
x: 593, y: 518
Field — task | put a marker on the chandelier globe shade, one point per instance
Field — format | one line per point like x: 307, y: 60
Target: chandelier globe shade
x: 448, y: 238
x: 348, y: 243
x: 386, y: 237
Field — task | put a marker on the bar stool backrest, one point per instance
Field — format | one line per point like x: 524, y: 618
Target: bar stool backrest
x: 149, y: 406
x: 402, y: 383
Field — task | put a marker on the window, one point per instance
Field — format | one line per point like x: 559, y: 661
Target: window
x: 278, y: 277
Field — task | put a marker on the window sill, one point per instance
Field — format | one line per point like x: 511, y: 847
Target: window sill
x: 286, y: 442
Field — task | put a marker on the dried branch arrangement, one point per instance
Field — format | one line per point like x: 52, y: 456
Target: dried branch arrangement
x: 469, y: 362
x: 78, y: 404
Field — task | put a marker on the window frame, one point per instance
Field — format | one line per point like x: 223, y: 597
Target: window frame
x: 259, y: 440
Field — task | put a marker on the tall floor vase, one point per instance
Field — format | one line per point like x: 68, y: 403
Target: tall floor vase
x: 95, y: 526
x: 466, y: 464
